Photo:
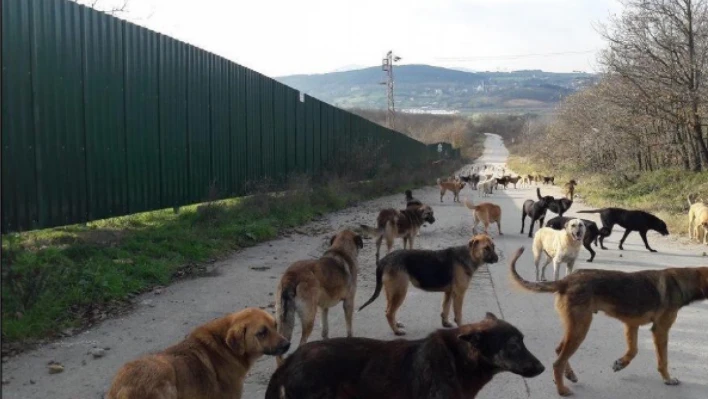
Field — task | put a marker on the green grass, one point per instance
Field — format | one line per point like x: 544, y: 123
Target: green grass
x: 54, y: 279
x: 662, y: 192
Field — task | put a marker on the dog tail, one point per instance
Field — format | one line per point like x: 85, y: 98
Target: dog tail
x: 546, y: 286
x: 538, y: 193
x: 689, y: 200
x: 438, y: 181
x: 285, y: 308
x: 379, y: 282
x: 469, y: 204
x: 372, y: 231
x: 592, y: 211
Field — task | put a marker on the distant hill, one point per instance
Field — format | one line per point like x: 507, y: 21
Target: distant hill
x: 428, y: 87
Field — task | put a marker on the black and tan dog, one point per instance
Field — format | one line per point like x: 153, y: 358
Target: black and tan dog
x: 636, y: 299
x: 212, y: 362
x: 453, y: 364
x: 447, y: 270
x: 631, y: 220
x: 412, y: 201
x: 392, y: 223
x: 324, y: 282
x: 453, y: 185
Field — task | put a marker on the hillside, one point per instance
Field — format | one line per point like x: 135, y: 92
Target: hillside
x: 429, y: 87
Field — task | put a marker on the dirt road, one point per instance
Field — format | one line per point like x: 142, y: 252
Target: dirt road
x: 249, y: 278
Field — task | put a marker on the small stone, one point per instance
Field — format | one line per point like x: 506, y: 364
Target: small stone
x: 32, y: 382
x: 148, y: 302
x: 5, y: 381
x: 55, y: 368
x: 620, y: 255
x: 271, y: 305
x: 705, y: 254
x: 157, y: 291
x: 83, y: 362
x: 98, y: 352
x: 68, y: 332
x: 260, y: 268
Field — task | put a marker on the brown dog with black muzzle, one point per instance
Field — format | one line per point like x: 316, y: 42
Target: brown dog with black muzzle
x: 636, y: 299
x: 487, y: 213
x: 324, y: 283
x: 211, y: 363
x: 392, y: 223
x: 452, y: 185
x: 447, y: 270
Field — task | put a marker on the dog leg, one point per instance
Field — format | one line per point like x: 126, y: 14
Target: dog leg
x: 660, y: 331
x: 586, y: 244
x: 545, y: 265
x: 577, y: 326
x: 624, y: 237
x: 643, y: 234
x: 630, y: 333
x: 499, y: 226
x: 348, y: 305
x: 446, y: 309
x: 379, y: 240
x: 537, y: 261
x: 705, y: 235
x: 523, y: 219
x: 307, y: 315
x: 569, y: 373
x: 458, y: 298
x: 531, y: 227
x: 395, y: 294
x: 569, y: 268
x: 410, y: 241
x: 690, y: 227
x: 325, y: 322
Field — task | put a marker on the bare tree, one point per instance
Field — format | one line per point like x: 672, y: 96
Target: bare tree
x: 111, y: 7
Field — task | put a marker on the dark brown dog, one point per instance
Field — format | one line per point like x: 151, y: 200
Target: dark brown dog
x: 549, y: 179
x: 392, y: 223
x: 447, y: 270
x: 569, y: 189
x: 324, y: 282
x: 452, y: 185
x: 212, y: 362
x: 450, y: 364
x: 636, y: 299
x: 513, y: 180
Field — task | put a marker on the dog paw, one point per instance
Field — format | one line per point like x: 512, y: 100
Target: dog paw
x: 653, y: 250
x: 564, y: 391
x: 446, y: 324
x: 672, y: 381
x: 399, y: 324
x: 570, y: 375
x: 399, y: 333
x: 618, y: 365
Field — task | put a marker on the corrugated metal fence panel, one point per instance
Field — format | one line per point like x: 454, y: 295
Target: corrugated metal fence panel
x: 280, y: 123
x: 301, y: 134
x: 58, y: 112
x: 198, y: 119
x: 237, y: 127
x: 173, y: 122
x: 253, y: 126
x: 104, y: 115
x: 267, y: 127
x: 290, y: 99
x: 142, y: 118
x: 309, y: 139
x: 19, y: 184
x: 221, y: 164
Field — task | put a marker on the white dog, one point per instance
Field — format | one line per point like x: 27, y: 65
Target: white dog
x: 485, y: 187
x: 559, y: 246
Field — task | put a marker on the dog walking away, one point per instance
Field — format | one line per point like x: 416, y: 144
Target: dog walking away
x: 592, y: 232
x: 487, y: 213
x: 455, y: 363
x: 324, y: 282
x: 536, y: 210
x: 631, y: 221
x: 391, y: 224
x: 697, y: 220
x: 559, y: 246
x: 211, y: 363
x: 557, y: 205
x: 636, y: 299
x: 448, y: 270
x: 411, y: 201
x: 569, y: 189
x: 451, y: 185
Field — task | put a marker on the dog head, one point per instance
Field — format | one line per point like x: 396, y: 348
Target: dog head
x: 575, y: 229
x: 426, y: 213
x: 660, y: 227
x: 347, y: 239
x: 252, y: 333
x: 500, y: 344
x: 481, y: 247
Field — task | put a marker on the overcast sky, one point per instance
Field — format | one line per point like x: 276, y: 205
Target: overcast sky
x: 282, y: 37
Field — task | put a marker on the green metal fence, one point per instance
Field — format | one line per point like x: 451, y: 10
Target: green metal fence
x: 103, y: 118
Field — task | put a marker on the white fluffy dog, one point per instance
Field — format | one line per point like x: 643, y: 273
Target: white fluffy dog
x: 559, y: 246
x: 485, y: 187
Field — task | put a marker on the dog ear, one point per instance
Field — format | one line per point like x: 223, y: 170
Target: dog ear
x: 331, y: 240
x: 491, y: 316
x: 236, y: 339
x: 473, y: 338
x: 472, y: 242
x: 359, y: 242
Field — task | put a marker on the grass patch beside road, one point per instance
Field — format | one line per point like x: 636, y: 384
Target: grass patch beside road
x: 72, y: 277
x: 661, y: 192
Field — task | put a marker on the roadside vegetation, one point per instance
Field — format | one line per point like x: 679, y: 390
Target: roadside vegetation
x: 68, y: 278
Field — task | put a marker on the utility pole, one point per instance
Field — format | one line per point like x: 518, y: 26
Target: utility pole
x: 387, y: 66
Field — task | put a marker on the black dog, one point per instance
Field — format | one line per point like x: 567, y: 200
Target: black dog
x: 558, y: 205
x: 455, y: 363
x: 472, y: 180
x: 592, y: 232
x: 549, y: 179
x: 536, y: 210
x: 631, y: 221
x: 410, y: 201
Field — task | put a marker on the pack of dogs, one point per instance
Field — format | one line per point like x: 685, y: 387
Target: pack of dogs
x: 456, y: 361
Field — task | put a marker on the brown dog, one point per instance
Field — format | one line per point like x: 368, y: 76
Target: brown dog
x: 324, y: 282
x: 406, y: 224
x: 450, y: 364
x: 212, y: 362
x: 636, y: 299
x: 569, y: 189
x: 487, y: 213
x: 453, y: 185
x: 447, y: 270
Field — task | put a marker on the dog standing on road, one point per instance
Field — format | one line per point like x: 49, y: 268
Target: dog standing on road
x: 557, y: 205
x: 324, y: 282
x: 487, y: 213
x: 453, y: 364
x: 447, y: 270
x: 569, y: 189
x: 592, y: 232
x: 631, y: 221
x: 406, y: 224
x: 411, y: 201
x: 636, y: 299
x: 452, y: 185
x: 536, y: 210
x: 697, y: 220
x: 212, y: 362
x: 559, y: 246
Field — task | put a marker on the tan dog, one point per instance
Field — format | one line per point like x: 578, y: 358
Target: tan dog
x: 636, y: 299
x: 560, y: 246
x: 487, y: 213
x: 454, y: 185
x: 447, y: 270
x: 324, y: 282
x: 697, y: 219
x: 212, y: 362
x: 406, y: 224
x: 569, y: 189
